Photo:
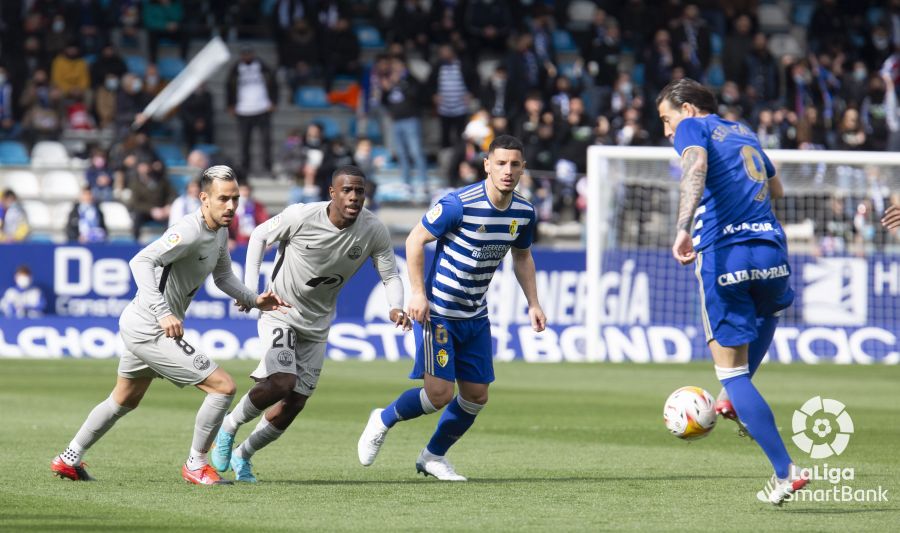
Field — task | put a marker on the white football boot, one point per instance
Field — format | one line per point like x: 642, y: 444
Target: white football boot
x: 437, y: 466
x: 777, y: 491
x: 372, y: 438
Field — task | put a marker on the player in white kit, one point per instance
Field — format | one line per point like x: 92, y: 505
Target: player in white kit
x: 320, y: 246
x: 168, y: 273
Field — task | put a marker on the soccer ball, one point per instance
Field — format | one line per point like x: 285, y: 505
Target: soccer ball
x: 690, y: 413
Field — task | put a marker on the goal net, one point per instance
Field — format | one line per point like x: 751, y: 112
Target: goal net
x: 845, y: 266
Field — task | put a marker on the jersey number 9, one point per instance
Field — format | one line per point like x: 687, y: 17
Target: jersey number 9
x: 756, y: 170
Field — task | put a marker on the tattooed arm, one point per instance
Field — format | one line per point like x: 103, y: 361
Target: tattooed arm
x: 693, y: 181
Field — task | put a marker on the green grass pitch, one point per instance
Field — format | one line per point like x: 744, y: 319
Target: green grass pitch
x: 559, y: 447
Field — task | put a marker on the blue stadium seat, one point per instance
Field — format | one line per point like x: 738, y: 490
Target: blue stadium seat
x: 330, y: 126
x: 803, y: 12
x: 208, y: 149
x: 373, y: 130
x: 564, y: 42
x: 384, y: 152
x: 13, y: 153
x: 311, y: 97
x: 136, y: 64
x: 179, y: 182
x: 171, y: 155
x: 369, y: 36
x: 169, y: 67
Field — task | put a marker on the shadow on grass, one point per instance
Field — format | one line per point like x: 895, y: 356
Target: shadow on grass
x: 843, y: 511
x: 572, y: 479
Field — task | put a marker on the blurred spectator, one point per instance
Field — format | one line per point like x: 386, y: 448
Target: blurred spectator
x: 690, y: 38
x: 877, y: 48
x: 59, y: 36
x: 34, y: 58
x: 299, y: 150
x: 23, y: 300
x: 660, y: 60
x: 78, y: 117
x: 542, y: 28
x: 197, y: 122
x: 340, y: 52
x: 99, y: 177
x: 834, y: 228
x: 488, y: 23
x: 106, y: 101
x: 367, y: 161
x: 851, y: 135
x: 86, y: 222
x: 604, y: 50
x: 13, y: 220
x: 40, y: 103
x: 91, y: 24
x: 153, y: 83
x: 495, y: 94
x: 129, y: 102
x: 526, y: 73
x: 8, y: 127
x: 873, y: 114
x: 250, y: 213
x: 452, y: 83
x: 827, y: 27
x: 185, y: 204
x: 287, y: 15
x: 69, y: 72
x: 737, y: 47
x: 855, y: 84
x: 164, y: 18
x: 760, y: 70
x: 300, y: 56
x: 337, y: 154
x: 769, y: 136
x: 402, y: 97
x: 151, y: 196
x: 409, y: 26
x: 252, y: 94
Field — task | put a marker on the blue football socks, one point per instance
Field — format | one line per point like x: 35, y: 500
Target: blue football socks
x: 456, y: 419
x: 756, y: 351
x: 756, y: 415
x: 407, y: 406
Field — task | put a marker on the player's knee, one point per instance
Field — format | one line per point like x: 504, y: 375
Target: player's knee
x: 226, y: 386
x: 440, y: 397
x: 282, y: 384
x: 481, y: 398
x: 294, y: 403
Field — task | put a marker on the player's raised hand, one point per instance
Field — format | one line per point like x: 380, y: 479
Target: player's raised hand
x: 401, y: 319
x: 538, y: 319
x: 891, y: 218
x: 172, y: 326
x: 418, y: 308
x: 683, y: 249
x: 269, y: 301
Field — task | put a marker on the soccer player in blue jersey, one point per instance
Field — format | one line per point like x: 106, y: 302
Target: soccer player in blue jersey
x: 726, y: 226
x: 474, y: 228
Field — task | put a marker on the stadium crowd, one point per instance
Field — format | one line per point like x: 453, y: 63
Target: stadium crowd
x: 560, y: 75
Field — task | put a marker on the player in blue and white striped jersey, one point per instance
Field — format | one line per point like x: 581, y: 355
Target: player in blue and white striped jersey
x: 474, y: 228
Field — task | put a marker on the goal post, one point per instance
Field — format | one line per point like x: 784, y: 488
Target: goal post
x: 845, y: 266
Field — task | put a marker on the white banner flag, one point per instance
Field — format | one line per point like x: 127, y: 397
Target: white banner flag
x: 202, y: 66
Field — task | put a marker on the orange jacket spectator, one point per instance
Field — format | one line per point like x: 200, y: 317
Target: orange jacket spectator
x: 69, y: 72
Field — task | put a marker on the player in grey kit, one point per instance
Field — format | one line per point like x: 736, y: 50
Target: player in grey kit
x: 320, y: 246
x: 168, y: 273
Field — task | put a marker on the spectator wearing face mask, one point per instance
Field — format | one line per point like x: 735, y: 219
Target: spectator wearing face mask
x: 108, y: 62
x: 13, y: 220
x: 23, y: 300
x: 86, y: 222
x: 249, y: 214
x: 106, y: 101
x: 99, y: 176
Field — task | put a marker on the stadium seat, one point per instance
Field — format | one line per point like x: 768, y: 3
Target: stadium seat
x: 803, y: 12
x: 330, y: 126
x: 136, y: 64
x: 38, y: 213
x: 372, y: 132
x: 116, y: 217
x: 772, y: 18
x: 311, y: 98
x: 179, y: 182
x: 369, y: 36
x: 13, y: 153
x: 61, y: 185
x: 564, y: 42
x: 208, y: 149
x: 419, y: 68
x: 381, y: 151
x: 49, y: 154
x: 23, y: 182
x: 581, y: 14
x: 169, y: 67
x: 59, y: 214
x: 171, y: 154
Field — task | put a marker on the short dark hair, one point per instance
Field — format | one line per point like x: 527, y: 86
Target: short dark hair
x: 347, y: 170
x: 9, y: 193
x: 217, y: 172
x: 23, y: 269
x: 688, y: 91
x: 506, y: 142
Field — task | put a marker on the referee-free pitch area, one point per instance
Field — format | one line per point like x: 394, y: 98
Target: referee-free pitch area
x: 559, y: 447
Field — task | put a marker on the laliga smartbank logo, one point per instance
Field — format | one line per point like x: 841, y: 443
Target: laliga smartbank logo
x: 822, y: 428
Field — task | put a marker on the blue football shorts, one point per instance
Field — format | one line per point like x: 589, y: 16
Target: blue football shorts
x: 454, y: 350
x: 740, y: 283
